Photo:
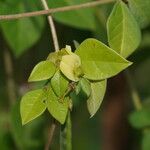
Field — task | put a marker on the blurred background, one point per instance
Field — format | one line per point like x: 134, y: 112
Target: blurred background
x: 25, y: 42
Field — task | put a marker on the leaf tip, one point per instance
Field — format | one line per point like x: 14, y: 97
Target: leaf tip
x: 130, y: 63
x: 91, y: 115
x: 62, y: 122
x: 24, y: 122
x: 29, y: 79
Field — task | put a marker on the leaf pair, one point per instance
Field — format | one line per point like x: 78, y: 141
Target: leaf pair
x: 52, y: 97
x: 34, y: 103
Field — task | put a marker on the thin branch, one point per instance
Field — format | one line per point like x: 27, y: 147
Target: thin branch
x: 50, y: 136
x: 135, y: 96
x: 56, y: 45
x: 54, y: 10
x: 52, y: 26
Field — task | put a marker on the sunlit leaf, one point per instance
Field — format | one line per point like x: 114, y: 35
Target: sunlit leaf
x: 99, y: 61
x: 42, y: 71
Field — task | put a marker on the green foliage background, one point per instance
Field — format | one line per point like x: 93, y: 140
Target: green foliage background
x: 29, y: 41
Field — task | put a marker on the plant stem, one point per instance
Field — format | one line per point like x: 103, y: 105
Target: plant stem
x: 11, y: 88
x: 56, y: 45
x: 54, y: 10
x: 50, y: 136
x: 66, y: 134
x: 52, y: 26
x: 135, y: 96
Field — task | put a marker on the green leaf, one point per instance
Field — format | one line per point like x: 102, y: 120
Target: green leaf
x: 84, y: 87
x: 32, y: 105
x: 140, y: 10
x: 42, y: 71
x: 59, y: 84
x: 83, y: 18
x: 66, y: 135
x: 124, y: 33
x: 140, y: 119
x: 56, y: 108
x: 99, y: 61
x: 97, y: 94
x: 21, y: 34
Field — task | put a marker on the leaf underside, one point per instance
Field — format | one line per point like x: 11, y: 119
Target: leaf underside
x: 124, y: 34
